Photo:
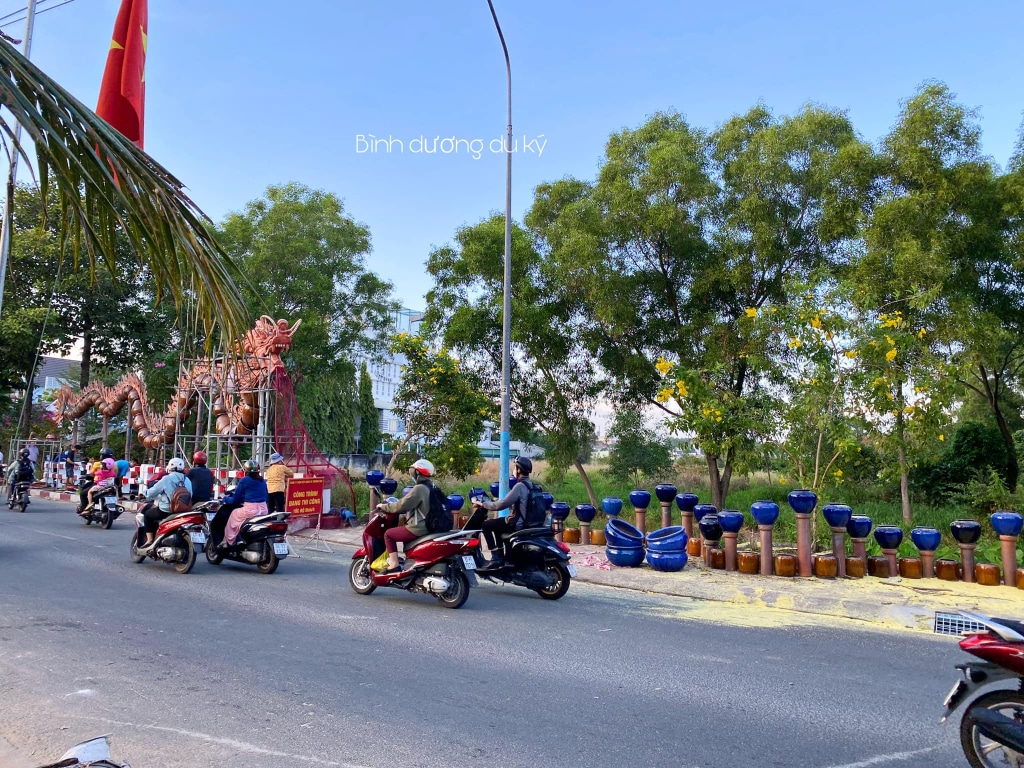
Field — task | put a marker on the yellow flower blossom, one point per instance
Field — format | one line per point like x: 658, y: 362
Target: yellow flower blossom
x: 890, y: 355
x: 921, y: 333
x: 663, y: 366
x: 751, y: 312
x: 838, y: 473
x: 773, y: 310
x: 850, y: 353
x: 664, y: 395
x: 816, y: 322
x: 889, y: 339
x: 942, y: 438
x: 794, y: 342
x: 681, y: 388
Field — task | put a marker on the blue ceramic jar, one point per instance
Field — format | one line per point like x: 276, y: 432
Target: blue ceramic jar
x: 802, y: 501
x: 373, y: 477
x: 926, y: 539
x: 671, y: 539
x: 701, y: 510
x: 731, y: 520
x: 1006, y: 523
x: 667, y: 561
x: 837, y: 515
x: 687, y: 501
x: 495, y: 490
x: 559, y: 510
x: 858, y: 526
x: 619, y: 533
x: 611, y: 505
x: 765, y: 512
x: 455, y: 501
x: 625, y: 557
x: 585, y: 512
x: 640, y: 499
x: 889, y: 536
x: 666, y: 493
x: 965, y: 531
x: 710, y: 528
x: 548, y: 500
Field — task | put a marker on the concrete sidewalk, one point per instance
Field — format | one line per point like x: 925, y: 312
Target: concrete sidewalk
x: 895, y: 602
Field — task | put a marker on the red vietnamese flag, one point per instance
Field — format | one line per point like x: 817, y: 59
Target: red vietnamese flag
x: 122, y: 101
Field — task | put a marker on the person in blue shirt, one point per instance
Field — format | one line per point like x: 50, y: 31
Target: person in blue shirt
x: 247, y: 499
x: 123, y: 467
x: 159, y: 497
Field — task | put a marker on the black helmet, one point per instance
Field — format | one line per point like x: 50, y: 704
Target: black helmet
x: 524, y: 465
x: 24, y: 453
x: 106, y: 453
x: 252, y: 467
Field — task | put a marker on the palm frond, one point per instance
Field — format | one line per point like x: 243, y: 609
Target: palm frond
x: 105, y: 183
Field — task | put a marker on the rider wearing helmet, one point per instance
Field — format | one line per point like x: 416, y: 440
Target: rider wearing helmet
x: 201, y: 477
x: 415, y: 505
x: 247, y: 500
x: 22, y: 472
x: 159, y: 497
x: 515, y: 500
x: 102, y: 479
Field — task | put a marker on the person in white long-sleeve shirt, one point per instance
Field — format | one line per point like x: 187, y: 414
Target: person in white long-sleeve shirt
x: 159, y: 497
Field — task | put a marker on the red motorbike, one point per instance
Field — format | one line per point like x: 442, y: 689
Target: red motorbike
x: 438, y: 564
x: 992, y: 727
x: 178, y: 539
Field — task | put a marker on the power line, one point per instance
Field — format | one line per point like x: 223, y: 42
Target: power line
x: 44, y: 10
x: 4, y: 19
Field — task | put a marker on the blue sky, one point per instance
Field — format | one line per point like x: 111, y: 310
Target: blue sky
x: 246, y: 93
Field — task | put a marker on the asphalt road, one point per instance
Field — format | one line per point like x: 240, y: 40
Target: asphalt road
x: 226, y: 667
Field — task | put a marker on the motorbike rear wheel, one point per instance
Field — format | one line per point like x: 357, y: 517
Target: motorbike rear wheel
x: 458, y: 591
x: 359, y: 576
x: 23, y: 504
x: 106, y: 519
x: 560, y: 574
x: 133, y: 550
x: 213, y: 555
x: 268, y: 559
x: 87, y: 517
x: 184, y: 566
x: 981, y: 751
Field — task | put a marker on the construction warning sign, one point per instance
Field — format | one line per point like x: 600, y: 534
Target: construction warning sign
x: 305, y: 496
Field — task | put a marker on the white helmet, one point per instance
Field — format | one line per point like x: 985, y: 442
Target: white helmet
x: 176, y: 465
x: 424, y: 467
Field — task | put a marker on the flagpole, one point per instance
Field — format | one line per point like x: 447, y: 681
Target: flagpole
x: 12, y: 178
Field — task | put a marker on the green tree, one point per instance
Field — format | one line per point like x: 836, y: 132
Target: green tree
x: 329, y: 408
x: 369, y: 420
x: 639, y: 452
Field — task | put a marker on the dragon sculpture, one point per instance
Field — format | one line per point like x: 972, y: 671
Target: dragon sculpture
x: 234, y: 384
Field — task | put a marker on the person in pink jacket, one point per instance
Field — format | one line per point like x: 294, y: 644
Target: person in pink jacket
x: 103, y: 479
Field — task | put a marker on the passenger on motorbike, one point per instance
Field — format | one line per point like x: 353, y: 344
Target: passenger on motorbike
x: 102, y: 480
x: 22, y: 472
x: 247, y: 500
x: 97, y: 466
x: 516, y: 499
x: 159, y: 497
x: 415, y: 505
x: 201, y: 477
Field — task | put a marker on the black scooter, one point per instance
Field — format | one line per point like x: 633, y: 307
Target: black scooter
x: 19, y: 496
x: 532, y: 559
x: 260, y: 542
x: 103, y: 509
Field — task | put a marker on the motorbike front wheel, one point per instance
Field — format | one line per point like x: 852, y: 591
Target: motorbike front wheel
x: 184, y: 566
x: 981, y: 751
x: 458, y: 591
x: 133, y: 550
x: 359, y: 576
x: 560, y: 586
x: 213, y: 554
x: 268, y: 559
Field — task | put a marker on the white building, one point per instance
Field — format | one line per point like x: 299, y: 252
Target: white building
x: 386, y: 375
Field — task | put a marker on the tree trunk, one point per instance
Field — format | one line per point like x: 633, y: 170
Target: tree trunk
x: 86, y: 349
x: 715, y: 478
x: 904, y: 488
x: 586, y: 482
x: 1012, y: 467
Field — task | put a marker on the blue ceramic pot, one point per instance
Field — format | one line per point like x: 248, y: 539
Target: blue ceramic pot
x: 965, y: 531
x: 837, y: 515
x: 687, y: 501
x: 701, y: 510
x: 802, y: 501
x: 710, y: 528
x: 640, y: 499
x: 585, y: 512
x: 1006, y: 523
x: 619, y: 533
x: 455, y: 501
x: 476, y: 493
x: 405, y: 491
x: 665, y: 493
x: 373, y: 477
x: 625, y: 557
x: 731, y: 520
x: 888, y: 536
x: 611, y: 506
x: 388, y: 485
x: 926, y: 539
x: 765, y: 512
x: 858, y: 526
x: 559, y: 510
x: 548, y: 500
x: 671, y: 539
x: 511, y: 483
x: 495, y: 490
x: 667, y: 561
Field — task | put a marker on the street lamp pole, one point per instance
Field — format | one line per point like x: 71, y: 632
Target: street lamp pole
x: 506, y: 326
x: 12, y: 179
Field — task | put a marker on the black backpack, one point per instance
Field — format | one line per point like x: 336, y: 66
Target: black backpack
x: 536, y: 511
x: 439, y: 516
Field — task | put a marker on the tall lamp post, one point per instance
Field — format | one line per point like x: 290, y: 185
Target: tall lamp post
x: 506, y: 325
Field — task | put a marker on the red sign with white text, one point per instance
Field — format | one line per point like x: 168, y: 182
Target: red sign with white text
x: 305, y: 496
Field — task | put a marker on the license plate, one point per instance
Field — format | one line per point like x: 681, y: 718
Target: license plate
x: 469, y: 562
x: 198, y: 537
x: 955, y: 695
x: 572, y: 570
x: 280, y: 548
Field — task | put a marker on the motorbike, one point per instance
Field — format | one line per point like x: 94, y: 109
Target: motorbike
x: 438, y: 564
x: 532, y: 559
x: 94, y: 753
x: 992, y: 727
x: 19, y: 496
x: 179, y: 538
x: 260, y: 542
x: 103, y: 509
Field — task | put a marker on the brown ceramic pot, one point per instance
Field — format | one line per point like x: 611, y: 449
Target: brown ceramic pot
x: 785, y: 565
x: 947, y: 570
x: 598, y: 539
x: 693, y: 547
x: 910, y: 567
x: 1020, y: 578
x: 856, y: 567
x: 716, y: 557
x: 987, y: 574
x: 878, y: 566
x: 749, y: 562
x: 826, y: 566
x: 571, y: 535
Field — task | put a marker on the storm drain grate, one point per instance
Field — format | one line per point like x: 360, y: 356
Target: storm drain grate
x: 955, y: 624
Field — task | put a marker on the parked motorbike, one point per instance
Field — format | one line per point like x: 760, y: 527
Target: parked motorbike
x: 532, y: 559
x: 438, y: 564
x: 19, y: 496
x: 260, y: 542
x: 103, y: 509
x: 178, y: 540
x: 94, y: 753
x: 992, y: 727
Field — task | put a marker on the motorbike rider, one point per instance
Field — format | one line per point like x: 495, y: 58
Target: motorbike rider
x: 248, y: 499
x: 97, y: 467
x: 22, y: 472
x: 102, y: 480
x: 515, y: 500
x: 415, y: 505
x: 159, y: 497
x: 201, y: 477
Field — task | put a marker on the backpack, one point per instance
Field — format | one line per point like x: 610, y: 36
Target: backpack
x: 181, y: 499
x: 439, y: 516
x: 536, y: 510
